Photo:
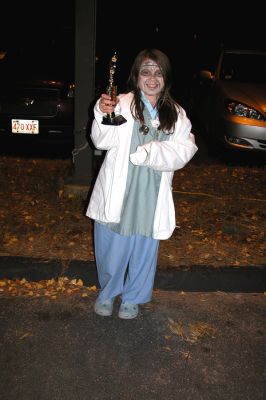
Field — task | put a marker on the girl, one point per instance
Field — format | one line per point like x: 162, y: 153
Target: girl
x: 132, y: 202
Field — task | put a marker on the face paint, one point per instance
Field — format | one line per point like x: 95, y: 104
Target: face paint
x: 150, y: 80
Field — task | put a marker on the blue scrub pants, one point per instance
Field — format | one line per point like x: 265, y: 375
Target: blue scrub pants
x: 126, y: 265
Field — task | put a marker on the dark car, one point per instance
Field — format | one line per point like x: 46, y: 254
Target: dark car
x: 36, y: 102
x: 229, y: 102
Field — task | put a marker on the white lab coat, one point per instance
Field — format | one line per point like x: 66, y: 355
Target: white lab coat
x: 167, y: 156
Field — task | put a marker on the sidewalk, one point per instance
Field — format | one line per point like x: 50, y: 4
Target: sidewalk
x: 191, y: 346
x: 200, y: 338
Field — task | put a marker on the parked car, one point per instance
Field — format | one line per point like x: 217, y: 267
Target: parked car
x: 36, y: 103
x: 229, y: 103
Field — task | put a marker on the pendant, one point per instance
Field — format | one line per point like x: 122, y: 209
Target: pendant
x: 144, y: 129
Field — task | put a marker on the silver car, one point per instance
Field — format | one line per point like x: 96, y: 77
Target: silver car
x: 230, y: 102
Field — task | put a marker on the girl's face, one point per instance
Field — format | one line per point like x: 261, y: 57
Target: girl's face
x: 150, y: 80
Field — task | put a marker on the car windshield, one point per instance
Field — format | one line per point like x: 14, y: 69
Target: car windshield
x: 244, y: 67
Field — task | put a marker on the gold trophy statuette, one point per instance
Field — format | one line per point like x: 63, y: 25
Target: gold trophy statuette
x: 112, y: 119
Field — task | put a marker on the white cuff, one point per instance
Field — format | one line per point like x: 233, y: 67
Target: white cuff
x: 139, y: 157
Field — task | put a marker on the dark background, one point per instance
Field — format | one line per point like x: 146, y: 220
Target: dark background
x: 191, y: 34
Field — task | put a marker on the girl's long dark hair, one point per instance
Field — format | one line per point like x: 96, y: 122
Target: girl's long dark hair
x: 166, y: 105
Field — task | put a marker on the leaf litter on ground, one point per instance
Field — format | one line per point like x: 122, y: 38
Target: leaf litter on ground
x: 220, y: 214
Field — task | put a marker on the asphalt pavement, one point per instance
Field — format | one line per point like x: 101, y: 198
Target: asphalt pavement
x: 203, y: 346
x: 201, y: 337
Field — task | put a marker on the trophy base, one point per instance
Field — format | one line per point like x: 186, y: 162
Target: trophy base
x: 113, y: 120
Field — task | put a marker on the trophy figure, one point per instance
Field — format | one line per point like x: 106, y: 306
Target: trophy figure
x: 112, y: 119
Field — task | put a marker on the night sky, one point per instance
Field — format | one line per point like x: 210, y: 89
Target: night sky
x: 191, y: 34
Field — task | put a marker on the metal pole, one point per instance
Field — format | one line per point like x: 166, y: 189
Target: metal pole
x: 85, y: 38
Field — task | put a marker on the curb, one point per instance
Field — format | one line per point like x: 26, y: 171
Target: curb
x: 197, y: 278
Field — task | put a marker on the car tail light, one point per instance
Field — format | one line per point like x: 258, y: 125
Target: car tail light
x: 71, y: 91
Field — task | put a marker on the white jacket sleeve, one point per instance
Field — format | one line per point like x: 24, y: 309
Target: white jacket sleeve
x: 103, y: 137
x: 168, y: 155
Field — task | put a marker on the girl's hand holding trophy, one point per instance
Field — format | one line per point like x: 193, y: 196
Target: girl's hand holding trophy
x: 109, y: 99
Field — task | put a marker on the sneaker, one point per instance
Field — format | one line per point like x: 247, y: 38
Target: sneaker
x: 128, y: 311
x: 104, y: 308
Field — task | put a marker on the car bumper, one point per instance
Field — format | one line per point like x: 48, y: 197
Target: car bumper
x: 243, y: 136
x: 48, y: 132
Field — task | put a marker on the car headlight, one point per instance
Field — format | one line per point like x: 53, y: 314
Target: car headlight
x: 242, y: 110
